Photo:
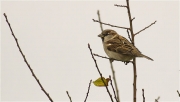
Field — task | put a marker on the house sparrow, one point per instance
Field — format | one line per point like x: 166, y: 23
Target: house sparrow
x: 119, y: 48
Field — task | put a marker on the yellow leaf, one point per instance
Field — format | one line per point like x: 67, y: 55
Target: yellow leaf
x: 99, y: 82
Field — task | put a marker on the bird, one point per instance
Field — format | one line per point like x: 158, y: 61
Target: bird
x: 118, y: 47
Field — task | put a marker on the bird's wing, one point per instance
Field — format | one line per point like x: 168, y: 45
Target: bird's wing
x: 121, y: 45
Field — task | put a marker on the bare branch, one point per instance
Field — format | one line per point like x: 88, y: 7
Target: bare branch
x: 119, y: 5
x: 110, y: 24
x: 156, y: 100
x: 69, y: 96
x: 178, y: 93
x: 134, y: 59
x: 88, y: 90
x: 145, y: 28
x: 99, y: 20
x: 113, y: 90
x: 31, y: 70
x: 112, y: 69
x: 100, y: 72
x: 114, y: 78
x: 143, y: 95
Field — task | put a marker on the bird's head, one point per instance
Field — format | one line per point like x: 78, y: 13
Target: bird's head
x: 107, y: 34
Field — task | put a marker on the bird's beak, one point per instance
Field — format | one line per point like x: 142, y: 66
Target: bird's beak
x: 100, y: 35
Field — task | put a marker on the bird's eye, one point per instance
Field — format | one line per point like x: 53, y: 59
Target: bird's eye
x: 107, y: 33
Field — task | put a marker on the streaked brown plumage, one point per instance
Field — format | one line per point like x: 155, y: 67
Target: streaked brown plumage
x: 119, y: 48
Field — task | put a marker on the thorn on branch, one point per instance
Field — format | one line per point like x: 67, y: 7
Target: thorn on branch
x: 69, y: 96
x: 143, y: 95
x: 145, y: 28
x: 109, y: 24
x: 132, y: 19
x: 156, y: 100
x: 178, y: 93
x: 120, y: 5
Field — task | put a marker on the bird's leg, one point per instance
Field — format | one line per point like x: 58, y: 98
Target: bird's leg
x: 111, y: 60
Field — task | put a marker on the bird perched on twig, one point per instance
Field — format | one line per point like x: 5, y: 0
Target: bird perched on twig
x: 118, y: 47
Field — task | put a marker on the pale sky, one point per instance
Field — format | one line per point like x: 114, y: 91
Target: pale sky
x: 54, y: 35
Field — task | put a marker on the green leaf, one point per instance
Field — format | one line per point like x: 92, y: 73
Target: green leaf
x: 99, y: 82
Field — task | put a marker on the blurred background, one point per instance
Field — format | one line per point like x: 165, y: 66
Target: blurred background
x: 54, y: 35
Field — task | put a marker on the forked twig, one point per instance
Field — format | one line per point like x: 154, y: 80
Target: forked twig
x: 100, y: 72
x: 88, y: 90
x: 31, y: 70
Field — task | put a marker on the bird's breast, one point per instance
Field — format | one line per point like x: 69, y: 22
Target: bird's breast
x: 117, y: 56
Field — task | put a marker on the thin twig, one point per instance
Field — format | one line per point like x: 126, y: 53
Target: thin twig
x: 120, y: 5
x: 112, y: 69
x: 69, y: 96
x: 178, y: 93
x: 145, y: 28
x: 100, y: 73
x: 108, y: 58
x: 102, y: 56
x: 113, y: 89
x: 143, y: 95
x: 47, y: 94
x: 88, y: 90
x: 99, y: 17
x: 134, y: 59
x: 156, y: 100
x: 132, y: 19
x: 114, y: 78
x: 109, y: 24
x: 129, y: 36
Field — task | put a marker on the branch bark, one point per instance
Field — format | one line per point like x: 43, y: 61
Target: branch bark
x: 134, y: 59
x: 145, y: 28
x: 31, y: 70
x: 110, y: 60
x: 88, y: 90
x: 100, y: 72
x: 69, y: 96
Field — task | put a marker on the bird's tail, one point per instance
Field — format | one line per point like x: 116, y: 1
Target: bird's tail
x: 147, y: 57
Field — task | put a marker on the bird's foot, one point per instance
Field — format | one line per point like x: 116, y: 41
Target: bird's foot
x: 126, y: 62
